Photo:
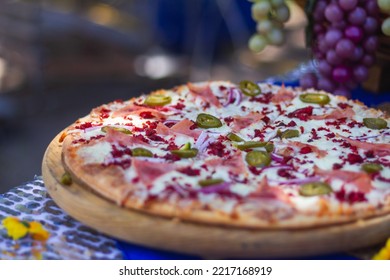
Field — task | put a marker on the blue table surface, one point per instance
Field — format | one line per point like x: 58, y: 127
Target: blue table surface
x: 136, y: 252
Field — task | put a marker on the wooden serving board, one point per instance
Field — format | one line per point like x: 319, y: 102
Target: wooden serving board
x: 198, y: 239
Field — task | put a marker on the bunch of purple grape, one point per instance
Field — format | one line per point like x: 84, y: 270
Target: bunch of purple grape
x: 344, y: 44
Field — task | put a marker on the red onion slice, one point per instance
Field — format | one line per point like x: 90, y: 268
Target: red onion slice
x: 276, y: 157
x: 215, y: 188
x: 296, y: 181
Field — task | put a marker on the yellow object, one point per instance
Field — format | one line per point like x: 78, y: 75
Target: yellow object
x: 384, y: 253
x: 15, y: 228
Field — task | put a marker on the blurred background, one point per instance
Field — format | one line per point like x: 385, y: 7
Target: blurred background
x: 60, y: 58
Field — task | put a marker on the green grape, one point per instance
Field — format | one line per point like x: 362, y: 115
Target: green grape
x: 257, y: 43
x: 264, y: 26
x: 275, y: 37
x: 260, y: 10
x: 277, y: 3
x: 384, y: 5
x: 282, y: 13
x: 386, y: 27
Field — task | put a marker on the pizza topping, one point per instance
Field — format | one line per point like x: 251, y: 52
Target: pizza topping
x: 234, y: 137
x: 240, y: 122
x: 372, y: 167
x: 314, y: 188
x: 258, y: 158
x: 204, y: 92
x: 282, y: 95
x: 66, y: 179
x: 141, y: 152
x: 120, y: 129
x: 317, y: 98
x: 207, y: 121
x: 354, y: 158
x: 157, y: 100
x: 186, y: 153
x: 209, y: 182
x: 148, y: 171
x: 249, y: 88
x: 336, y: 114
x: 375, y: 123
x: 289, y: 133
x: 250, y: 145
x: 303, y: 114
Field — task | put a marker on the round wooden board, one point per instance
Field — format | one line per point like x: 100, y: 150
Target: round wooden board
x: 198, y: 239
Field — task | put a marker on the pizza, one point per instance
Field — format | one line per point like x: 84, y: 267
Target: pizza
x: 241, y: 155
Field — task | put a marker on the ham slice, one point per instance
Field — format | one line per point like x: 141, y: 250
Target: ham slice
x: 182, y: 127
x: 282, y: 95
x: 360, y: 179
x: 235, y: 164
x: 132, y: 109
x: 148, y: 172
x: 335, y: 114
x: 264, y: 190
x: 204, y: 92
x: 240, y: 122
x: 320, y: 153
x: 115, y: 136
x: 380, y: 149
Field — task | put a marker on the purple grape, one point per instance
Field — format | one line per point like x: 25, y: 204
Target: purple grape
x: 339, y: 24
x: 326, y: 84
x: 372, y: 8
x: 318, y: 28
x: 354, y: 33
x: 333, y: 13
x: 371, y: 25
x: 345, y: 48
x: 357, y: 16
x: 332, y: 58
x: 357, y: 54
x: 347, y: 5
x: 343, y: 91
x: 360, y: 73
x: 324, y: 68
x: 332, y: 37
x: 368, y: 60
x: 371, y: 44
x: 309, y: 80
x: 341, y: 74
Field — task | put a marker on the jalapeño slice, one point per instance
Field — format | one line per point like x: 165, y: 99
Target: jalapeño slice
x: 141, y: 152
x: 234, y: 137
x: 209, y: 182
x: 250, y: 145
x: 120, y: 129
x: 258, y: 158
x: 375, y: 123
x: 188, y: 153
x: 289, y: 133
x: 372, y: 167
x: 249, y: 88
x: 317, y: 98
x: 314, y: 188
x: 207, y: 121
x: 157, y: 100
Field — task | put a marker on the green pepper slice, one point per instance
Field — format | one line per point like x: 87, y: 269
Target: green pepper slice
x: 120, y: 129
x: 249, y: 88
x: 314, y: 188
x: 269, y: 147
x: 289, y: 133
x: 375, y: 123
x: 157, y: 100
x: 207, y: 121
x: 209, y: 182
x: 250, y: 145
x: 372, y: 167
x: 258, y: 158
x: 66, y: 179
x: 141, y: 152
x: 188, y: 153
x: 317, y: 98
x: 234, y: 137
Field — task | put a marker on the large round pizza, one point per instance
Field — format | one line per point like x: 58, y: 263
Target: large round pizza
x: 247, y: 155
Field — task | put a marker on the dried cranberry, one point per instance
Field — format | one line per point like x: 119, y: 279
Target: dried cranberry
x: 350, y: 197
x: 285, y: 173
x: 306, y: 150
x: 263, y: 98
x: 354, y: 158
x: 370, y: 154
x: 172, y: 146
x: 228, y: 120
x: 146, y: 115
x: 258, y: 133
x: 337, y: 166
x: 217, y: 148
x: 171, y: 157
x: 254, y: 170
x: 84, y: 125
x: 179, y: 106
x: 190, y: 171
x: 330, y: 135
x: 343, y: 105
x: 291, y: 124
x: 303, y: 114
x: 266, y: 120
